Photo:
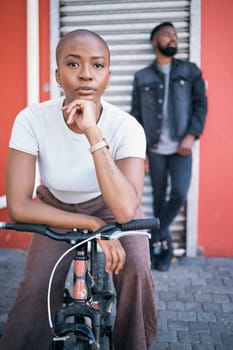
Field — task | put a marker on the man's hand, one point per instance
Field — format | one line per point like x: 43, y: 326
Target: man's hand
x: 146, y: 165
x: 185, y: 146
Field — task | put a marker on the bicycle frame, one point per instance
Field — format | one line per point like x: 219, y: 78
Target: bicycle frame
x: 85, y: 304
x: 89, y: 308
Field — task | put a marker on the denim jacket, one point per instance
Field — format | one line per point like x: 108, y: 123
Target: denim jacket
x: 187, y: 101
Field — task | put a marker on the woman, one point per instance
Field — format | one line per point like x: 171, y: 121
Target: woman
x: 92, y: 172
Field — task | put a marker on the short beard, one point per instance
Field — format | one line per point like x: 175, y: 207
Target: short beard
x: 168, y: 51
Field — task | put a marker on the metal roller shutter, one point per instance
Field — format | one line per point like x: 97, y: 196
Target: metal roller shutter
x: 125, y: 25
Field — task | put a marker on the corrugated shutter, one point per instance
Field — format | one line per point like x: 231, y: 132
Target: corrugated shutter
x: 125, y: 25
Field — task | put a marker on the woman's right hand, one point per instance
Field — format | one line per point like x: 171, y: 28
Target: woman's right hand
x: 81, y: 112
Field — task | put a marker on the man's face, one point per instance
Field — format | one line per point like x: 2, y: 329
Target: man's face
x: 165, y: 41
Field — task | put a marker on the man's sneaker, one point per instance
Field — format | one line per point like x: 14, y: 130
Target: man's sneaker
x: 161, y: 256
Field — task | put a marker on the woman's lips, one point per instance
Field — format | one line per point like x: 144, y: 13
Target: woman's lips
x: 85, y: 90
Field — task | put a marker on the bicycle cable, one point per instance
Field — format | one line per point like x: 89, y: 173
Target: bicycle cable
x: 50, y: 284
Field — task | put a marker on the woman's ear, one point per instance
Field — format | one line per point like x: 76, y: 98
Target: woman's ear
x: 109, y: 77
x: 57, y: 75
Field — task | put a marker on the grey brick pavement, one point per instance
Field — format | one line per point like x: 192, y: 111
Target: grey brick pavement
x: 194, y: 301
x: 195, y: 305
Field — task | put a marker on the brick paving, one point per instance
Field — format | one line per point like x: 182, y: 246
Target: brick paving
x: 194, y: 300
x: 195, y: 305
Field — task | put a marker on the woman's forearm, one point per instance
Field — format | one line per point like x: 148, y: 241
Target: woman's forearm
x: 33, y: 211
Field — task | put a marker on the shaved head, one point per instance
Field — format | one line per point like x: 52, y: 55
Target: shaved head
x: 74, y: 34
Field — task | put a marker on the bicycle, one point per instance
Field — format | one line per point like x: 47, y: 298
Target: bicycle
x: 84, y: 320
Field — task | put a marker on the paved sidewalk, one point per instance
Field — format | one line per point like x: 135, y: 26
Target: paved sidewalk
x: 194, y: 301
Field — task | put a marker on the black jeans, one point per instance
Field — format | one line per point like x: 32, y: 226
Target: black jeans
x: 167, y: 205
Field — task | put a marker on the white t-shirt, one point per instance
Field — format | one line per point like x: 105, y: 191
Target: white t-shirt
x: 65, y: 163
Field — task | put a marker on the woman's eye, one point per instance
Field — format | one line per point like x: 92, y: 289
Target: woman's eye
x: 99, y: 65
x: 73, y: 64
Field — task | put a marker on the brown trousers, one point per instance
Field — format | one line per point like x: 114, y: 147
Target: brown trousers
x: 135, y: 325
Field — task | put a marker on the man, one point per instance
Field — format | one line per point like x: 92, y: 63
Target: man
x: 169, y: 101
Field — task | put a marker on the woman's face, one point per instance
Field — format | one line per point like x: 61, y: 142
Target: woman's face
x: 83, y: 68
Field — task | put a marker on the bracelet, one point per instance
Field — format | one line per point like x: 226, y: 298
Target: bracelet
x: 98, y: 145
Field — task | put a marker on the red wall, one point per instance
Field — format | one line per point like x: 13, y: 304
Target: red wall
x: 12, y: 71
x: 13, y: 89
x: 216, y: 162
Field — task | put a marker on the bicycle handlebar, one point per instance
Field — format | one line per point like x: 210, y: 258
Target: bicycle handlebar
x: 110, y: 231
